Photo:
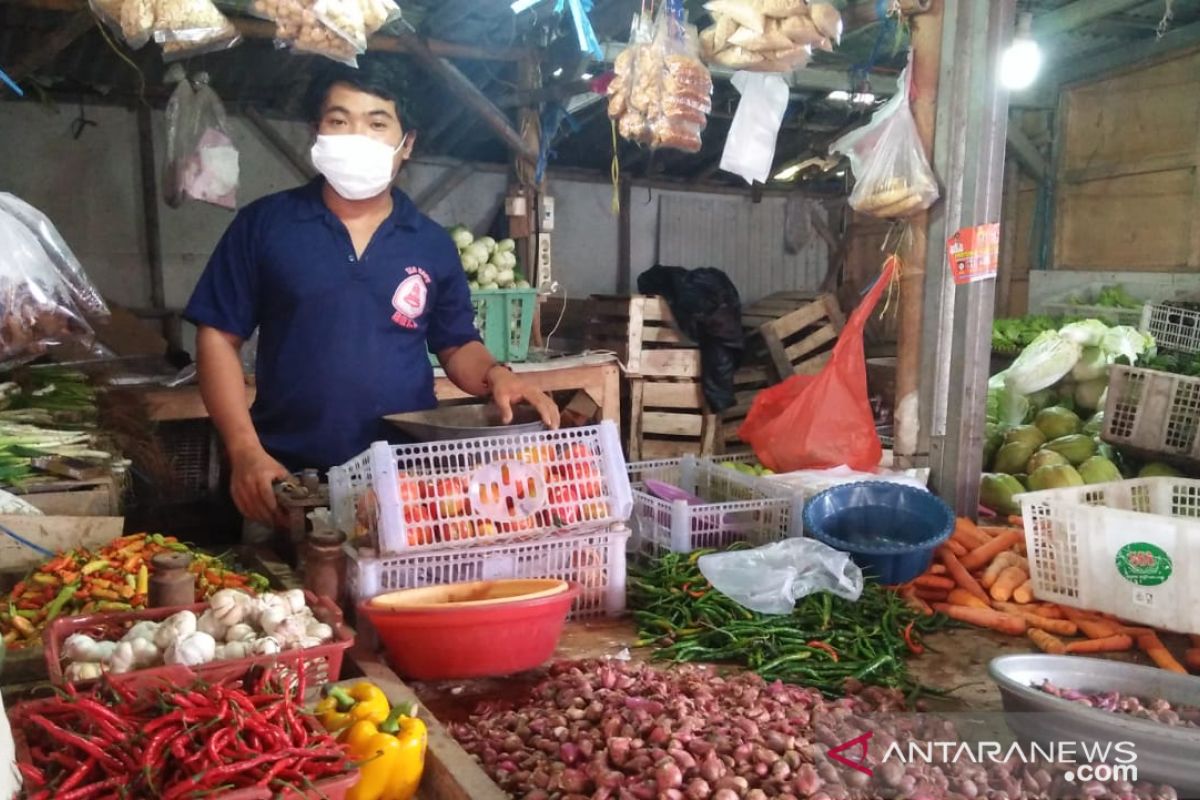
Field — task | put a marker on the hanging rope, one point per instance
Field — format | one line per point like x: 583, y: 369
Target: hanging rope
x: 615, y: 171
x: 1164, y: 24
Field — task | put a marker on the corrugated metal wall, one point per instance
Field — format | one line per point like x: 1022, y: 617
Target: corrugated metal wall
x: 745, y: 239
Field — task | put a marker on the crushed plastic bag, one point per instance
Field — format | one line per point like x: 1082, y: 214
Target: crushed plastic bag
x: 750, y: 146
x: 39, y: 281
x: 826, y: 419
x: 893, y: 176
x: 770, y: 579
x: 202, y: 162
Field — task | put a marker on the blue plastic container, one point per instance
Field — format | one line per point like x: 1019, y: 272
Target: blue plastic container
x: 890, y: 530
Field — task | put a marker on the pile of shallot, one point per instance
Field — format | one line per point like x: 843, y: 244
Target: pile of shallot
x: 1156, y: 710
x: 235, y: 625
x: 632, y: 732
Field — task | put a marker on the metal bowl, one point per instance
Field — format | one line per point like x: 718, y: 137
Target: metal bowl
x: 1165, y: 754
x: 464, y: 422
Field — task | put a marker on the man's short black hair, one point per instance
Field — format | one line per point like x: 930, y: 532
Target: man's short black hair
x: 372, y: 76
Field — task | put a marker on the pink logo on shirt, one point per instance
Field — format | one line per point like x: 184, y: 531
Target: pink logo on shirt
x: 410, y: 298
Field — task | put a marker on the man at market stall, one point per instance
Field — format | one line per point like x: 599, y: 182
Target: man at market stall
x: 348, y: 285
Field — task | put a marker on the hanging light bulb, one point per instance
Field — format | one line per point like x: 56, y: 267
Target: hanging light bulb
x: 1022, y: 60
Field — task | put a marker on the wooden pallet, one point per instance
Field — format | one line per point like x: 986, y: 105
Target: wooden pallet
x: 748, y: 382
x: 668, y: 419
x: 801, y: 343
x: 774, y: 306
x: 642, y: 332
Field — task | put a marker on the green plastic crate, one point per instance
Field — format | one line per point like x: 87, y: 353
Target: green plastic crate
x: 504, y: 318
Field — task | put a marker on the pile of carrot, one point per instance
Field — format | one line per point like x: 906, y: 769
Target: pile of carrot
x: 981, y: 577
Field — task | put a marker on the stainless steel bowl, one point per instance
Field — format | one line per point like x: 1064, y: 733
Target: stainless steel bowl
x: 464, y: 422
x: 1165, y: 754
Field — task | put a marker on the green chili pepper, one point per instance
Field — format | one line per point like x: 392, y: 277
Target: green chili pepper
x: 56, y: 605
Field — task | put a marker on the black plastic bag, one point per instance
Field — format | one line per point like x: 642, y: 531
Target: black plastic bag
x: 708, y: 311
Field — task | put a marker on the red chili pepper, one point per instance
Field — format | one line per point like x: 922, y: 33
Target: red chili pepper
x: 74, y: 740
x: 827, y: 647
x: 112, y: 725
x: 92, y: 789
x: 32, y: 773
x: 77, y: 775
x: 913, y: 645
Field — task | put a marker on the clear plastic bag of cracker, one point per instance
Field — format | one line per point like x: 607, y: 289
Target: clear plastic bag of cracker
x: 191, y: 27
x: 132, y: 20
x: 684, y: 86
x: 345, y: 18
x: 893, y: 176
x: 378, y: 14
x: 298, y: 27
x: 630, y: 68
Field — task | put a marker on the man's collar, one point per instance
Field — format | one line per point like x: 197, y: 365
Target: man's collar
x: 312, y: 205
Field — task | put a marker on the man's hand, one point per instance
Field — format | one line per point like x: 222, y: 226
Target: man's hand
x: 508, y: 389
x: 252, y: 484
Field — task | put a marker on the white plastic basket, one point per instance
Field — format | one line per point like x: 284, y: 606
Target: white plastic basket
x: 738, y: 508
x: 473, y: 492
x: 593, y: 559
x: 1154, y: 414
x: 1129, y: 548
x: 1176, y: 329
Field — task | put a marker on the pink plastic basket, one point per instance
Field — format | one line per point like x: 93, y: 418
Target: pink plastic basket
x: 321, y: 664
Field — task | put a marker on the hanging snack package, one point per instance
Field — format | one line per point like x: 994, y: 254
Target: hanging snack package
x: 298, y: 27
x: 345, y: 18
x: 377, y: 14
x: 893, y: 176
x: 40, y: 279
x: 132, y: 20
x: 202, y: 162
x: 768, y: 35
x: 187, y: 28
x: 624, y: 109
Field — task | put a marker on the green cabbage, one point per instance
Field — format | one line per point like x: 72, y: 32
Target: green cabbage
x: 1044, y: 363
x: 1126, y: 342
x: 1088, y: 333
x: 1092, y: 364
x: 461, y: 236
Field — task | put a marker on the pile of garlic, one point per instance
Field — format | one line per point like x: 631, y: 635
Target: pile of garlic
x: 235, y: 625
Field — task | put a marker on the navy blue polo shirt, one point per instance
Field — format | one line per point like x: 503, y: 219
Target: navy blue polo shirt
x: 341, y: 339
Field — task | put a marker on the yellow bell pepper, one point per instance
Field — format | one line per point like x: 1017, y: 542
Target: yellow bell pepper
x: 390, y: 756
x: 341, y: 708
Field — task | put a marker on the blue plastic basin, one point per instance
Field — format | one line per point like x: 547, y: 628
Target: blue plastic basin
x: 890, y: 530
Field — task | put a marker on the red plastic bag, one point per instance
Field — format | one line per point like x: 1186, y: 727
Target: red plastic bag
x: 822, y: 420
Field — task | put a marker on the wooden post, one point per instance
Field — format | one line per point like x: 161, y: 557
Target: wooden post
x: 158, y: 299
x: 927, y: 58
x: 529, y: 79
x: 1010, y: 210
x: 624, y: 240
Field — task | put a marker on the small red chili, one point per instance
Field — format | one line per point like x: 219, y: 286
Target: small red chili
x: 826, y: 646
x: 914, y: 646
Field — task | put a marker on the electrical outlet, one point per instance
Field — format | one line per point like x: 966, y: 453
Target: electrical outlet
x: 514, y: 206
x: 544, y: 262
x: 547, y: 214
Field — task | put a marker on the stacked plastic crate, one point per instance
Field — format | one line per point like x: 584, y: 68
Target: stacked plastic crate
x: 533, y: 505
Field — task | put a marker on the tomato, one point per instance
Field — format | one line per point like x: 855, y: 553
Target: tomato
x: 451, y: 494
x: 564, y: 506
x: 457, y: 531
x: 413, y: 489
x: 418, y: 527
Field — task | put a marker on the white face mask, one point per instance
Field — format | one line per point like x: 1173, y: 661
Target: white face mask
x: 356, y: 166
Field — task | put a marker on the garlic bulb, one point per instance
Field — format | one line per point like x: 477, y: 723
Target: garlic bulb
x: 192, y: 650
x: 83, y: 671
x: 240, y: 633
x: 266, y: 646
x: 174, y: 628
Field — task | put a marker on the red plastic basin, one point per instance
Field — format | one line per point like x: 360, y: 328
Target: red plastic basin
x: 493, y: 633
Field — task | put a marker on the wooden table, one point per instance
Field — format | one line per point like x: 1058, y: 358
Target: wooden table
x: 597, y: 375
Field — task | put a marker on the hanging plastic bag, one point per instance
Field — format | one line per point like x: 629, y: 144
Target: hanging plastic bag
x: 298, y: 27
x: 39, y: 280
x: 750, y: 145
x: 893, y: 177
x: 823, y: 420
x: 132, y: 20
x: 773, y: 36
x: 188, y: 28
x: 202, y: 162
x: 770, y: 579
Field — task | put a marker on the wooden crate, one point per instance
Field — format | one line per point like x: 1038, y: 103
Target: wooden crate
x: 642, y: 332
x: 800, y: 343
x: 66, y: 498
x: 669, y: 418
x: 774, y: 306
x: 748, y: 382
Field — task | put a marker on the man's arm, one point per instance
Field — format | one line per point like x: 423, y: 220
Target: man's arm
x: 223, y: 387
x: 473, y: 369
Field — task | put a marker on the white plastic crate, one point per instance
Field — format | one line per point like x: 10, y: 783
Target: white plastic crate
x: 595, y: 560
x: 472, y: 492
x: 1129, y: 548
x: 1155, y: 414
x: 739, y: 508
x: 1175, y: 329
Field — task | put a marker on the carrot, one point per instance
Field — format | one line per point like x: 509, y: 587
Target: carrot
x: 1109, y: 644
x: 1060, y: 627
x: 1049, y: 610
x: 966, y: 532
x: 916, y: 603
x: 1047, y: 642
x: 1092, y: 627
x: 961, y: 597
x: 1152, y: 646
x: 1005, y: 559
x: 932, y: 595
x: 981, y: 556
x: 958, y: 549
x: 960, y: 574
x: 1135, y: 631
x: 984, y: 618
x: 1194, y: 638
x: 1015, y: 520
x: 936, y: 569
x: 1006, y: 584
x: 933, y: 582
x: 1192, y: 659
x: 1024, y: 592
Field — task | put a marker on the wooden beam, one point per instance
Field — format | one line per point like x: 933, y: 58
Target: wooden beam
x: 442, y: 187
x: 43, y: 52
x: 557, y: 91
x: 1027, y: 154
x: 282, y: 146
x: 468, y: 93
x: 150, y: 206
x: 1077, y: 14
x: 1115, y: 58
